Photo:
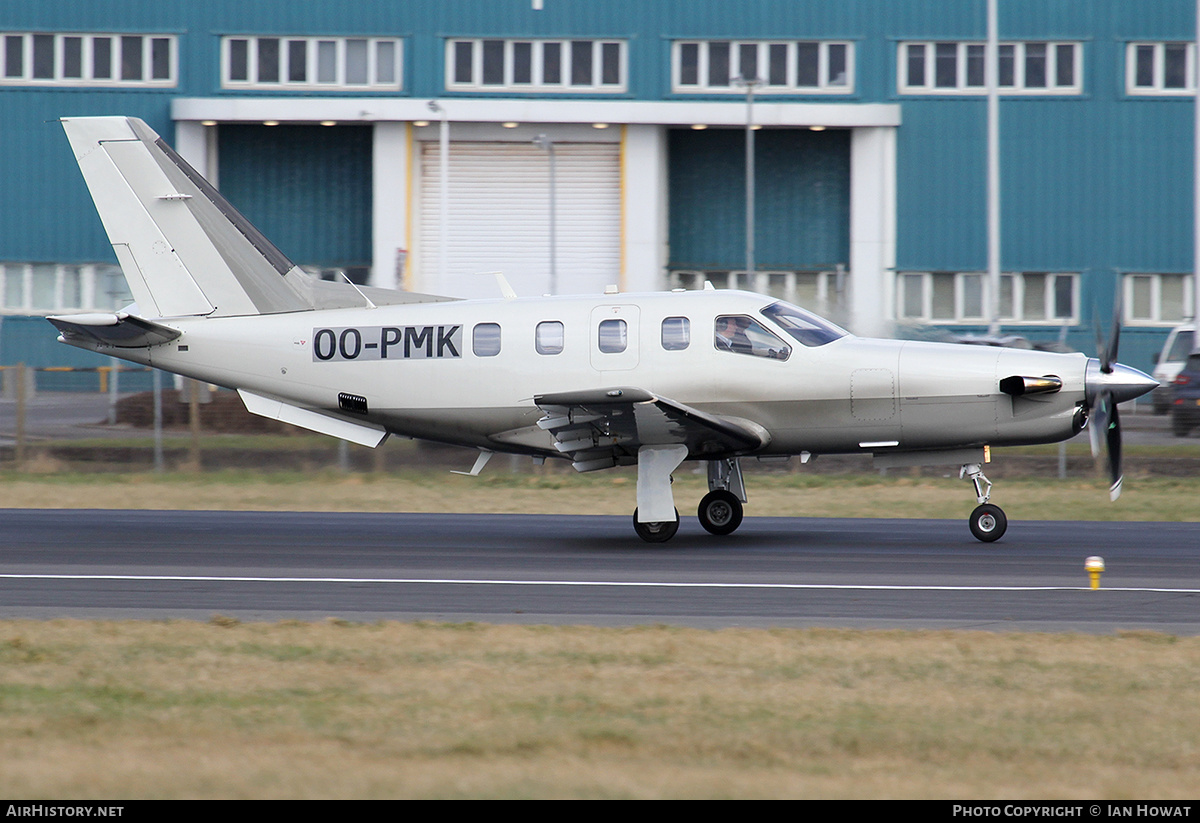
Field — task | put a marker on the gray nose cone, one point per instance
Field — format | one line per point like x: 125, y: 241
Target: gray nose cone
x: 1122, y: 383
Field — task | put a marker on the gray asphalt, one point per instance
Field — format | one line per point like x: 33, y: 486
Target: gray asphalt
x: 593, y: 570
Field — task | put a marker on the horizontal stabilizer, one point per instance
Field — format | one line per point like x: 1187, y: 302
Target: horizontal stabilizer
x: 365, y: 434
x: 122, y: 331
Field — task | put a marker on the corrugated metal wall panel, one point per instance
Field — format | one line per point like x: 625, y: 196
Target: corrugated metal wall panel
x: 48, y: 214
x: 802, y: 199
x: 307, y: 188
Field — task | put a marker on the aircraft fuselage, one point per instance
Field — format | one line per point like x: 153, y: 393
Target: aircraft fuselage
x: 427, y: 370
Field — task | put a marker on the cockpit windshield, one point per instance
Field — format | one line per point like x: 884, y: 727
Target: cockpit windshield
x: 806, y: 327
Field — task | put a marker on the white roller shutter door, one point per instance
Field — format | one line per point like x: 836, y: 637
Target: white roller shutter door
x: 499, y: 218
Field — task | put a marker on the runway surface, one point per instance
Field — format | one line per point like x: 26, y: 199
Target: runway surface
x: 593, y: 570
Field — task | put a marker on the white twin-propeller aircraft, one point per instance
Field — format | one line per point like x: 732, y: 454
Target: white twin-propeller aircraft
x: 605, y: 380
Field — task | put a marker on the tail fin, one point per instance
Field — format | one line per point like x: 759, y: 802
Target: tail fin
x: 183, y: 248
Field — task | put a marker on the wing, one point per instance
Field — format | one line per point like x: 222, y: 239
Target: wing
x: 602, y: 428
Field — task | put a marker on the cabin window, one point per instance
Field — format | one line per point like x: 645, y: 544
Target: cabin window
x: 614, y: 336
x: 548, y: 337
x: 740, y: 334
x: 676, y: 333
x: 485, y: 339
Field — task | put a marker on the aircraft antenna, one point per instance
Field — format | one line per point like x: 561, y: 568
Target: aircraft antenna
x: 505, y: 289
x: 370, y: 304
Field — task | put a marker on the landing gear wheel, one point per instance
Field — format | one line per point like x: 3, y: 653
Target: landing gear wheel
x: 659, y: 532
x: 988, y: 522
x: 720, y: 512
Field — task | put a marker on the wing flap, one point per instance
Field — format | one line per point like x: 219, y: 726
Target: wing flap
x: 602, y: 428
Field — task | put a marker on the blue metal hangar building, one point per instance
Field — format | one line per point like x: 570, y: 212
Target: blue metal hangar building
x: 324, y: 123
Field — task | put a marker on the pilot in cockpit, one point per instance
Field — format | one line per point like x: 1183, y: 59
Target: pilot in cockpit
x: 731, y: 335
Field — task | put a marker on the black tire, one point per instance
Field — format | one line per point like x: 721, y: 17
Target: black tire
x: 988, y: 523
x: 659, y: 532
x: 720, y: 512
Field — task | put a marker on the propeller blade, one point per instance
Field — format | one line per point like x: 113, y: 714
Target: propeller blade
x: 1101, y: 343
x: 1114, y: 336
x: 1097, y: 422
x: 1113, y: 384
x: 1113, y: 434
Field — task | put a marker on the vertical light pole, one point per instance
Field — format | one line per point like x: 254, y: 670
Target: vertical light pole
x: 750, y: 84
x: 1196, y: 178
x: 444, y: 188
x: 544, y: 142
x: 114, y: 372
x: 991, y: 71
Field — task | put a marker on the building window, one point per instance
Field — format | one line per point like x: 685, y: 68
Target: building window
x: 1157, y: 299
x: 1160, y: 68
x: 790, y: 67
x: 962, y: 297
x: 311, y: 62
x: 49, y: 288
x: 541, y: 65
x: 959, y: 68
x: 88, y: 59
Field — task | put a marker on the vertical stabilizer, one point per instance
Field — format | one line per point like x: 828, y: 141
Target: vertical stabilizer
x: 183, y: 248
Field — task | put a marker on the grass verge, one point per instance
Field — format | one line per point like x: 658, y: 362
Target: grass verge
x: 790, y: 495
x: 335, y: 709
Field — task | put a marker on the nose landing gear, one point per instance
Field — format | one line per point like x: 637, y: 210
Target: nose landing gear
x: 988, y: 522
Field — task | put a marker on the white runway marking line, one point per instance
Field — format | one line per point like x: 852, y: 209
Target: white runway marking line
x: 177, y: 578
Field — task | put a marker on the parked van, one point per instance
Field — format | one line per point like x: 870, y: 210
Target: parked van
x: 1169, y: 363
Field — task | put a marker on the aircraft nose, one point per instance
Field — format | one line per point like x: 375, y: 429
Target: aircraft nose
x: 1122, y: 383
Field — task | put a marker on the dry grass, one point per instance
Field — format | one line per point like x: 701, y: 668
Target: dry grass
x: 564, y: 492
x: 331, y: 710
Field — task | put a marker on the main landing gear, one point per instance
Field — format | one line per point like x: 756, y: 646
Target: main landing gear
x: 658, y: 532
x: 987, y: 522
x: 720, y: 511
